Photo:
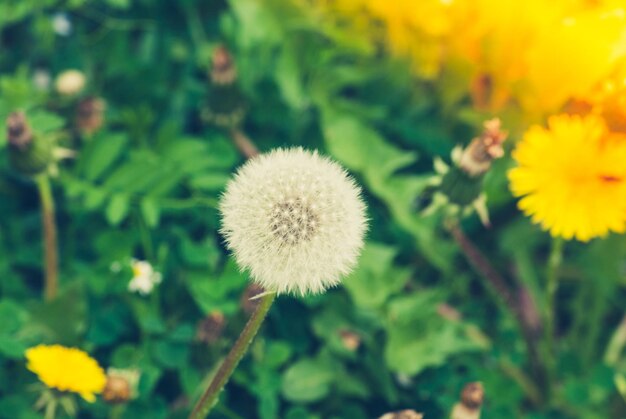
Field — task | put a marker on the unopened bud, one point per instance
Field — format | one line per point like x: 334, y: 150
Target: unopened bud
x: 459, y: 188
x: 478, y: 155
x: 70, y: 82
x: 121, y: 385
x: 90, y: 115
x: 468, y: 407
x: 225, y: 103
x: 19, y: 133
x: 402, y: 414
x: 223, y: 69
x: 210, y: 329
x: 28, y: 154
x: 350, y: 340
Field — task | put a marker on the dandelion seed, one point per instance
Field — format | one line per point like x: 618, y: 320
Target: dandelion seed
x: 287, y: 243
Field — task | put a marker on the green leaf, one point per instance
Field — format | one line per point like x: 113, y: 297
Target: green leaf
x: 171, y: 354
x: 63, y: 319
x: 217, y: 292
x: 376, y: 279
x: 276, y: 354
x: 360, y: 147
x: 119, y: 4
x: 13, y: 316
x: 418, y: 337
x: 363, y: 150
x: 44, y: 122
x: 209, y: 181
x: 150, y: 212
x: 117, y: 209
x: 101, y: 153
x: 307, y: 381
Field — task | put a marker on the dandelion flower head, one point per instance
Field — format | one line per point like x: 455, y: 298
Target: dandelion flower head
x: 67, y: 369
x: 572, y: 177
x: 295, y: 220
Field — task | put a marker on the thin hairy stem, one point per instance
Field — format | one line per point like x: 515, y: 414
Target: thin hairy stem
x: 210, y: 395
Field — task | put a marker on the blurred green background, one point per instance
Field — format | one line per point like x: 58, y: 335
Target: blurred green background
x: 408, y: 329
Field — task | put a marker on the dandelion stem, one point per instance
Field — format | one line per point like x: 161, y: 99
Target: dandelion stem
x: 209, y: 397
x: 508, y: 299
x: 243, y: 143
x: 49, y: 237
x: 552, y: 284
x: 482, y: 265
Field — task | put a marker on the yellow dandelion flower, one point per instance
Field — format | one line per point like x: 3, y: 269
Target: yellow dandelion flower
x: 524, y: 50
x: 608, y: 99
x: 67, y: 369
x: 572, y: 177
x: 591, y: 42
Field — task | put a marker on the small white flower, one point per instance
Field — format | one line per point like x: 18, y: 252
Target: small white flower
x: 294, y: 220
x: 70, y: 82
x: 144, y: 277
x: 61, y: 24
x: 41, y: 79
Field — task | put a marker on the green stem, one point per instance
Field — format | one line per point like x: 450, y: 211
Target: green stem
x: 145, y: 237
x: 616, y: 344
x: 552, y: 284
x: 117, y: 411
x: 193, y: 202
x: 530, y: 388
x: 209, y: 398
x: 51, y: 259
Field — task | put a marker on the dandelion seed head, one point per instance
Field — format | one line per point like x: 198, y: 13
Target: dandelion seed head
x: 295, y: 220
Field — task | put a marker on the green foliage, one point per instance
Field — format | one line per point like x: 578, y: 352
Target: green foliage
x: 409, y: 327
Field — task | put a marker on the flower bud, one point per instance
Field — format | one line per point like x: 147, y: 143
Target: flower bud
x: 121, y: 385
x: 459, y: 187
x: 223, y: 71
x: 471, y: 401
x: 90, y: 115
x: 210, y: 329
x: 225, y: 103
x: 350, y: 340
x: 402, y: 414
x: 478, y: 155
x: 70, y: 82
x: 28, y: 154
